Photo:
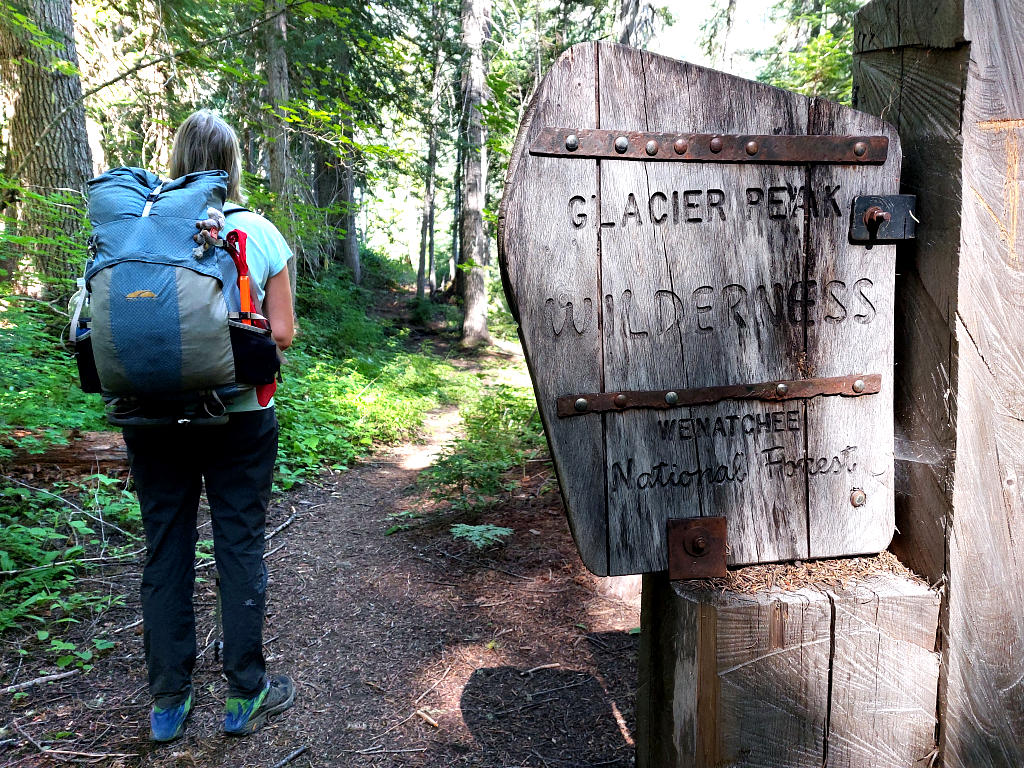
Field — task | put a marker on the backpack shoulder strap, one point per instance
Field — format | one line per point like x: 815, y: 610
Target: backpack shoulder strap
x: 229, y: 209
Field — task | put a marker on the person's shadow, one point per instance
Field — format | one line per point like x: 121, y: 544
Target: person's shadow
x: 551, y: 717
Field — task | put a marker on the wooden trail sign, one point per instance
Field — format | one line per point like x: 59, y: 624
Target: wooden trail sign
x: 703, y: 337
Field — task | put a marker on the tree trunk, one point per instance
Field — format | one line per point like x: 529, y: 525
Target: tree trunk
x: 49, y: 149
x: 427, y: 274
x: 350, y: 239
x: 326, y: 190
x: 421, y: 268
x: 473, y: 247
x: 453, y: 257
x: 275, y: 39
x: 431, y: 261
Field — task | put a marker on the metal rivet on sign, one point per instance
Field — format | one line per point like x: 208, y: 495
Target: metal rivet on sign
x: 782, y: 389
x: 716, y: 144
x: 621, y: 144
x: 699, y: 544
x: 582, y: 404
x: 858, y: 498
x: 572, y: 142
x: 652, y: 147
x: 860, y: 148
x: 680, y: 146
x: 858, y: 385
x: 671, y: 398
x: 752, y: 147
x: 620, y: 401
x: 874, y: 217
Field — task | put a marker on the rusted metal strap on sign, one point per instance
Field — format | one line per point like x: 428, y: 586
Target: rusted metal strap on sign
x: 697, y: 547
x: 795, y: 389
x: 711, y: 147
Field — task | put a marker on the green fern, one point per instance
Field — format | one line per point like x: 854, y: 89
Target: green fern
x: 481, y: 536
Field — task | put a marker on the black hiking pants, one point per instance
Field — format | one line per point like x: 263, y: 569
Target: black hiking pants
x: 170, y: 465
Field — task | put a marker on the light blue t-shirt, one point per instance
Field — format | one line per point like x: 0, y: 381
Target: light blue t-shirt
x: 266, y: 253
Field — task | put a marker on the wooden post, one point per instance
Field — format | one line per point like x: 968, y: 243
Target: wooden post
x: 948, y: 74
x: 795, y: 679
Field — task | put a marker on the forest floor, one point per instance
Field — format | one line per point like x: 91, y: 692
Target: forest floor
x: 409, y: 649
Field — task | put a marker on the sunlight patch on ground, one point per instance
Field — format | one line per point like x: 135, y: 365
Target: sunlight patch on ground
x: 438, y: 428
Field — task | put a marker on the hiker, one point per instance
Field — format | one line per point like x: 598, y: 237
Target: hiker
x: 235, y: 461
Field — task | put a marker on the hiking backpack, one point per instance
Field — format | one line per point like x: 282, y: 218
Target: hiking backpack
x: 166, y: 339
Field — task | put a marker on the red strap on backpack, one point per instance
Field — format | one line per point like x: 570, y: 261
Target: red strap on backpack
x: 236, y: 247
x: 235, y: 242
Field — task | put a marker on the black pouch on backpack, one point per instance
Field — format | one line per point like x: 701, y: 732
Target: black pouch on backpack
x: 87, y: 375
x: 256, y: 360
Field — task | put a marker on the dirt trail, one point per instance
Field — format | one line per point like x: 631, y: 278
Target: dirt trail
x: 407, y: 650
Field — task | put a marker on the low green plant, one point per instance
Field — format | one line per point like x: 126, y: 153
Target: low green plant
x: 502, y: 429
x: 40, y: 400
x: 481, y: 536
x: 43, y: 549
x: 333, y: 410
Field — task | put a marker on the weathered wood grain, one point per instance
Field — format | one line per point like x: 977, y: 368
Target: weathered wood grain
x: 851, y: 335
x: 551, y: 277
x: 962, y: 349
x: 788, y: 679
x: 885, y: 675
x: 904, y: 23
x: 720, y: 263
x: 643, y: 343
x: 985, y: 688
x: 921, y: 90
x: 703, y: 274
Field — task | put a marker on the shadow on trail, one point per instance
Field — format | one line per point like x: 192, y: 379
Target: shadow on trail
x: 550, y: 717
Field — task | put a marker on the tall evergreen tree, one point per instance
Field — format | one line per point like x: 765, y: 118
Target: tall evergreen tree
x: 48, y: 153
x: 473, y: 250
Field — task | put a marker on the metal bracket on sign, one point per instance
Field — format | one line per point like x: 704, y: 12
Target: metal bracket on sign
x: 883, y: 219
x: 697, y: 548
x: 771, y: 391
x: 596, y: 143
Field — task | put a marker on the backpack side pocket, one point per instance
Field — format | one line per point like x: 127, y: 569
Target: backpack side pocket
x: 256, y: 360
x: 87, y: 375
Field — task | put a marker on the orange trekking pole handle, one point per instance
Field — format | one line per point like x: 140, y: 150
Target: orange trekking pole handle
x: 236, y: 247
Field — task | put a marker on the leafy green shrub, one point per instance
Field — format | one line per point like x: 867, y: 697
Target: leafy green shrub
x: 349, y: 384
x: 39, y: 392
x: 502, y: 428
x: 481, y: 536
x: 44, y: 539
x: 333, y: 410
x: 332, y: 314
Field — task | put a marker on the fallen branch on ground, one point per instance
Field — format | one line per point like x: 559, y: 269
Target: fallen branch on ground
x: 280, y: 528
x: 39, y: 681
x: 289, y: 758
x: 442, y: 677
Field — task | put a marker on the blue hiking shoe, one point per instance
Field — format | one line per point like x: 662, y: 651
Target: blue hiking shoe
x: 243, y: 716
x: 168, y: 723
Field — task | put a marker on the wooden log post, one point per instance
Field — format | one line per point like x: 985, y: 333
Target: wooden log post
x: 948, y: 74
x: 804, y: 678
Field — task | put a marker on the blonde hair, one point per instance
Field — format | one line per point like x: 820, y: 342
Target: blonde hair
x: 204, y: 142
